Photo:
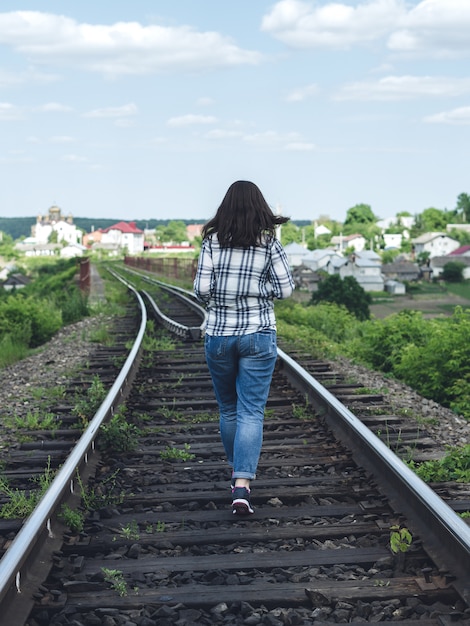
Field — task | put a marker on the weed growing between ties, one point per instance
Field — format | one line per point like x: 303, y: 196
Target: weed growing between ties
x: 35, y: 420
x: 20, y: 504
x: 130, y: 531
x: 454, y: 466
x: 86, y: 406
x: 302, y: 412
x: 102, y: 335
x: 118, y: 434
x: 107, y: 493
x: 400, y: 542
x: 177, y: 454
x: 72, y: 518
x: 116, y: 579
x: 49, y: 394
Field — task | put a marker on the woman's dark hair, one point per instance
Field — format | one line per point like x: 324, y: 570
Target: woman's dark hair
x: 243, y: 217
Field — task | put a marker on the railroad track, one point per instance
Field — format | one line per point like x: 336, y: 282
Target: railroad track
x: 161, y: 545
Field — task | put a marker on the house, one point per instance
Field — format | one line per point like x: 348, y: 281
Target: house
x: 406, y: 221
x: 363, y: 267
x: 341, y: 243
x: 193, y: 231
x: 464, y: 227
x: 394, y: 287
x: 38, y: 249
x: 318, y: 259
x: 63, y: 228
x: 15, y: 281
x: 90, y: 239
x: 73, y: 250
x: 436, y: 244
x: 305, y: 278
x: 462, y: 251
x: 321, y: 229
x: 401, y: 270
x: 392, y: 240
x: 438, y: 263
x: 124, y: 235
x: 295, y: 253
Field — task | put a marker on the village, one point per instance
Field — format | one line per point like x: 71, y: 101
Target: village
x: 54, y: 234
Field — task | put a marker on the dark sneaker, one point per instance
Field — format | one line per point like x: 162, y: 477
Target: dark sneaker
x: 241, y: 501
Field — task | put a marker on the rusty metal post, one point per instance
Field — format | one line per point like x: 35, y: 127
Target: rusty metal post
x: 85, y: 279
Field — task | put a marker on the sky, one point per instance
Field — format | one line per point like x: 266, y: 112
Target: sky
x: 150, y: 109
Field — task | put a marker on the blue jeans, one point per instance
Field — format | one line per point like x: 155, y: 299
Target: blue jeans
x: 241, y: 368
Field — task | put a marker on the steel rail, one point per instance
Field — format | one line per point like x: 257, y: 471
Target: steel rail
x: 427, y: 513
x: 40, y: 522
x: 191, y: 333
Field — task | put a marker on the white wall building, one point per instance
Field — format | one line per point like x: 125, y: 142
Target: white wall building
x: 437, y: 244
x: 341, y: 243
x: 365, y: 267
x: 124, y: 235
x: 54, y: 222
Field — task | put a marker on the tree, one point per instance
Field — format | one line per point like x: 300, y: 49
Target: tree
x: 360, y: 214
x: 462, y: 208
x: 290, y: 233
x: 346, y: 292
x: 173, y: 232
x: 434, y: 220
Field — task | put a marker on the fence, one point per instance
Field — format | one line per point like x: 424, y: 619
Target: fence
x: 182, y: 269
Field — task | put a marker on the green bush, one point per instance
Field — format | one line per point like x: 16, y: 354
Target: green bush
x: 11, y: 350
x: 29, y: 320
x: 73, y: 304
x: 380, y: 343
x: 332, y: 321
x: 440, y: 367
x: 14, y: 321
x: 453, y: 272
x: 346, y: 292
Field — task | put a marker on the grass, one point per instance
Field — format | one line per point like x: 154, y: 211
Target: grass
x: 460, y: 289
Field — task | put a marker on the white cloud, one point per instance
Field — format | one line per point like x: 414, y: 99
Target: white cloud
x: 113, y: 112
x: 405, y: 88
x: 10, y: 112
x: 334, y: 25
x: 13, y: 79
x: 436, y: 27
x: 204, y: 102
x: 191, y: 119
x: 120, y: 48
x: 431, y: 27
x: 460, y: 116
x: 297, y: 95
x: 55, y: 107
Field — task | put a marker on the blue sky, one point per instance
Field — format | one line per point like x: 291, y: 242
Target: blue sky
x: 150, y: 109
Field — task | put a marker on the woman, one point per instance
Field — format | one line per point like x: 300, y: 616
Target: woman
x: 242, y: 268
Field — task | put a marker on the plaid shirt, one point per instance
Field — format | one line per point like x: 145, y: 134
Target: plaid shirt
x: 238, y: 285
